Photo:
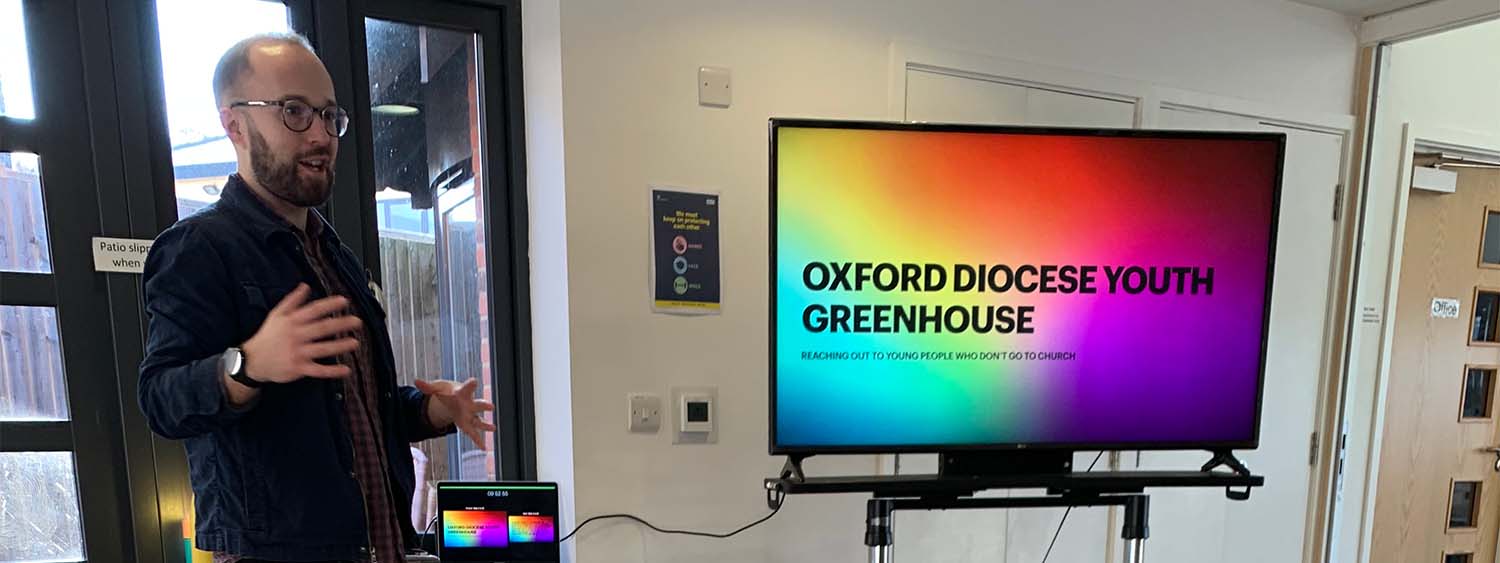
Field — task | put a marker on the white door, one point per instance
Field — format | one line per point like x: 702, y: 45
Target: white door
x: 1201, y: 525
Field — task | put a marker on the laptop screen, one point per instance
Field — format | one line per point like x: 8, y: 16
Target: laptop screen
x: 497, y: 522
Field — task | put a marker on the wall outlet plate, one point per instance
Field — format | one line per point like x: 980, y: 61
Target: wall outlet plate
x: 645, y: 413
x: 694, y: 433
x: 714, y: 89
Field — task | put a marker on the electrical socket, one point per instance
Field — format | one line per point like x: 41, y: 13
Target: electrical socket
x: 645, y: 413
x: 714, y: 87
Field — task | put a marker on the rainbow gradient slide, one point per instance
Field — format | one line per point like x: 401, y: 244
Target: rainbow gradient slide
x: 475, y: 528
x: 883, y: 336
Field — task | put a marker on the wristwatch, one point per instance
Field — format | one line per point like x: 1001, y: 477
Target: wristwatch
x: 232, y: 363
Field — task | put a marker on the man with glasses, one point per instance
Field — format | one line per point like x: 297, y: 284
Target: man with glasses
x: 267, y: 351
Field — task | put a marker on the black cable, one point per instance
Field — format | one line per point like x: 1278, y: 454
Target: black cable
x: 425, y: 531
x: 780, y: 498
x: 1066, y: 513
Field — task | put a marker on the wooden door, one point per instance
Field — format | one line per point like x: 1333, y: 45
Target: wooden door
x: 1438, y: 497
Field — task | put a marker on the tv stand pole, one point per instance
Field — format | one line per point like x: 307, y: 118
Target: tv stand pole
x: 1136, y: 529
x: 880, y: 526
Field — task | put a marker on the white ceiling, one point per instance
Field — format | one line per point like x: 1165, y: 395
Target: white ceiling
x: 1362, y: 8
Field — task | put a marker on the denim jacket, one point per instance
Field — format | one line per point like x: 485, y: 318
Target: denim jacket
x: 274, y: 479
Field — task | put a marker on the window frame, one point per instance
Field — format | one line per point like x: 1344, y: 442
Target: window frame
x: 71, y: 70
x: 498, y: 23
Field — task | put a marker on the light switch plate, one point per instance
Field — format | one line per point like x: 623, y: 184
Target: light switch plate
x: 679, y: 436
x: 714, y: 89
x: 645, y: 413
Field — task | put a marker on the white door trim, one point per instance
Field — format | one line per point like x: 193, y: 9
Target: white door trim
x: 1413, y: 135
x: 1150, y: 100
x: 1425, y: 19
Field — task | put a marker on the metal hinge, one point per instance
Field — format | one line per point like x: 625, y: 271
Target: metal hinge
x: 1312, y: 451
x: 1338, y: 202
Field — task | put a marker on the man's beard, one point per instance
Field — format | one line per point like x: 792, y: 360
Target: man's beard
x: 283, y: 179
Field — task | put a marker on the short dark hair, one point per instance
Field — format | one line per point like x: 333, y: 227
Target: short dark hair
x: 236, y: 61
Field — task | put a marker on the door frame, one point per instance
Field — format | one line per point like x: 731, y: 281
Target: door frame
x: 507, y: 238
x: 1423, y: 19
x: 1414, y: 135
x: 1150, y: 100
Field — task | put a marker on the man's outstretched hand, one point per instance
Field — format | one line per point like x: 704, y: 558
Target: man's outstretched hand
x: 297, y: 334
x: 455, y: 404
x: 294, y: 340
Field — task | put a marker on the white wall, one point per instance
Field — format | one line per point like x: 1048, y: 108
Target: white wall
x: 1452, y: 81
x: 631, y: 118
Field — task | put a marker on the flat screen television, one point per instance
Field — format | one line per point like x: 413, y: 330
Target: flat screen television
x: 942, y: 288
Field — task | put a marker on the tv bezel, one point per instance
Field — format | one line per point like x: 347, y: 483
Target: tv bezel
x: 1253, y: 442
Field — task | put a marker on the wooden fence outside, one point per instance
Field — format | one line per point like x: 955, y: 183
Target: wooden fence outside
x: 32, y: 386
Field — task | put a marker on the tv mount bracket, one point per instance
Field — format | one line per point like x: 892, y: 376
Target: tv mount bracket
x: 792, y: 469
x: 1225, y: 458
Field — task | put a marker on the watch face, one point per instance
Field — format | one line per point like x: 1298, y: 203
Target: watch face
x: 233, y: 361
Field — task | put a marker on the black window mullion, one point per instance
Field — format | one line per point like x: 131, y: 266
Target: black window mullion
x: 33, y: 290
x: 150, y: 191
x: 55, y: 39
x: 36, y: 437
x: 338, y: 34
x: 18, y: 135
x: 158, y: 159
x: 113, y: 68
x: 508, y: 241
x: 132, y: 30
x: 299, y: 14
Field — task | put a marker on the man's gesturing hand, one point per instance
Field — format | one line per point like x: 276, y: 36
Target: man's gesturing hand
x: 296, y: 334
x: 455, y: 404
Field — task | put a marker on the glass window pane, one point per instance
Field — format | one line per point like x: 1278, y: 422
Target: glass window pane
x: 1491, y: 248
x: 1477, y: 386
x: 1458, y: 558
x: 202, y: 157
x: 39, y: 508
x: 15, y: 63
x: 423, y: 87
x: 32, y: 386
x: 1463, y: 506
x: 1486, y: 317
x: 23, y: 215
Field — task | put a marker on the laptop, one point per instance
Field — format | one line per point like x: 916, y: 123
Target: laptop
x: 497, y: 522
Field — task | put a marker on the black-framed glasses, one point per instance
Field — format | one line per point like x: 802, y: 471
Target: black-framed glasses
x: 298, y: 115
